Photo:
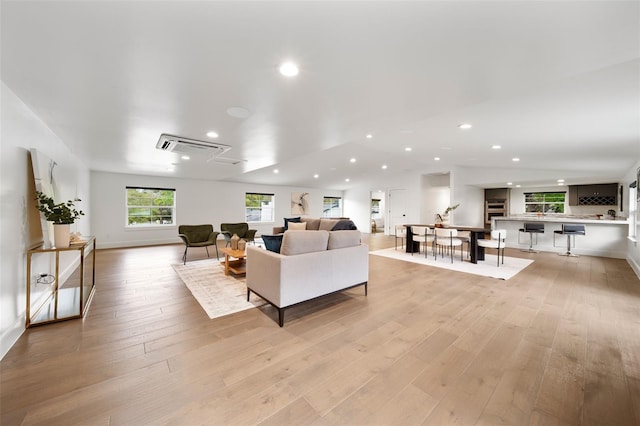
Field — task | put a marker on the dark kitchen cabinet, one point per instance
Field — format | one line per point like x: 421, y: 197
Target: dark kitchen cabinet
x: 603, y: 194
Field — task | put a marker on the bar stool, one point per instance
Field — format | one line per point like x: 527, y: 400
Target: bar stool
x: 532, y: 228
x: 570, y: 230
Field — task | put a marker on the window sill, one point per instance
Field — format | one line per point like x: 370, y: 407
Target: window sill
x: 149, y: 227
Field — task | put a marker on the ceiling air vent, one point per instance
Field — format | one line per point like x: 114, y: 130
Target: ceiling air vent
x: 182, y: 145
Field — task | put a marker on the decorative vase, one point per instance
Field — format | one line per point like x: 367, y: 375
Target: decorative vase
x: 234, y: 242
x: 242, y: 244
x: 61, y: 235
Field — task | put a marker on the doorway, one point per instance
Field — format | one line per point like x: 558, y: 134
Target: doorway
x: 377, y: 216
x: 397, y: 209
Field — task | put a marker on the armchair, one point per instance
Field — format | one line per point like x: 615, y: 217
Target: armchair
x: 240, y: 229
x: 197, y: 236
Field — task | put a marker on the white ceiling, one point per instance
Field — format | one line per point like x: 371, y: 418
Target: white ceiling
x: 555, y: 83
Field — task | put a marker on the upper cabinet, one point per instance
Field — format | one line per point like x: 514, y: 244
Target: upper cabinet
x: 603, y: 194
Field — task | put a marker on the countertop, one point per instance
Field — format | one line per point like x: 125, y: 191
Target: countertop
x: 564, y: 219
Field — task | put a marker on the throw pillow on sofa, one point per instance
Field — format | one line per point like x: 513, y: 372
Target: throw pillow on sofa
x: 295, y: 226
x: 290, y: 219
x: 272, y: 242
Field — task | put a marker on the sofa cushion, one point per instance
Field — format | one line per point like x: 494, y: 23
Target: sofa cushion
x: 327, y: 224
x: 341, y: 239
x: 290, y: 219
x: 295, y: 226
x: 300, y: 242
x: 313, y: 224
x: 272, y: 242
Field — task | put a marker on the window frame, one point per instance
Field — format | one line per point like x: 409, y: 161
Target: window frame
x: 173, y: 209
x: 324, y: 203
x: 261, y: 208
x: 544, y: 203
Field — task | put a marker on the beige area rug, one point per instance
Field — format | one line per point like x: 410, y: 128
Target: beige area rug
x: 218, y: 294
x: 487, y: 268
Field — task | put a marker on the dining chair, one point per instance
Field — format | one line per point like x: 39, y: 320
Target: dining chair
x: 497, y: 241
x: 423, y: 236
x: 447, y: 238
x: 400, y: 233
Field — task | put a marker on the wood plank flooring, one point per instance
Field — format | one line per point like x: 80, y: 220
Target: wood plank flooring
x: 558, y: 344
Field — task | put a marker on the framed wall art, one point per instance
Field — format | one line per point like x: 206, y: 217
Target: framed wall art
x: 299, y: 203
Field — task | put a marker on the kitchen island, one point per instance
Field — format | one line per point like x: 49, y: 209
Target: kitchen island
x: 604, y: 237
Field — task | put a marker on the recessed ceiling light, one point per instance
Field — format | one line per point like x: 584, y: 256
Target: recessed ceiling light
x: 384, y: 167
x: 517, y: 186
x: 560, y: 184
x: 509, y: 183
x: 464, y: 126
x: 316, y: 176
x: 436, y: 158
x: 408, y: 149
x: 185, y: 157
x: 347, y: 180
x: 353, y: 160
x: 369, y: 136
x: 289, y: 69
x: 515, y: 159
x: 276, y: 171
x: 212, y: 134
x: 496, y: 147
x: 560, y: 180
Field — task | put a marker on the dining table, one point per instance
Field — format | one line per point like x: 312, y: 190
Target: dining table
x: 476, y: 233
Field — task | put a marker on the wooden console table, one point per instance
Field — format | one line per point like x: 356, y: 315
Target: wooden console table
x: 69, y: 299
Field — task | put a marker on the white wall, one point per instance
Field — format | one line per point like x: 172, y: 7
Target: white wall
x: 357, y: 199
x: 20, y: 131
x: 197, y: 202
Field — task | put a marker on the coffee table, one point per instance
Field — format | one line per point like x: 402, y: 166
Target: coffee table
x: 234, y: 261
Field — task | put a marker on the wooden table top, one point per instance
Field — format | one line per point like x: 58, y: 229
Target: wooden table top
x: 238, y: 254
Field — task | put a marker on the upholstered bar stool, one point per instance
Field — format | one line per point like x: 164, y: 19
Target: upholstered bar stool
x: 531, y: 229
x: 570, y: 230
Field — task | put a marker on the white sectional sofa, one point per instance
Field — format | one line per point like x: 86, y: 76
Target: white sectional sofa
x: 310, y: 264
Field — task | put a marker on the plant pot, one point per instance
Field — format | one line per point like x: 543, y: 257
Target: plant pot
x: 61, y: 235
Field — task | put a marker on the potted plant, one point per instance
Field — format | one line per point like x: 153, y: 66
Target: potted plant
x: 443, y: 218
x: 62, y: 215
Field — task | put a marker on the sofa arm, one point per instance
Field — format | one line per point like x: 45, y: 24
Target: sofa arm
x: 263, y: 273
x: 278, y: 230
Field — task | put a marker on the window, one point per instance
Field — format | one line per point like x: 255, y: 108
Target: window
x: 259, y: 207
x: 544, y: 202
x: 150, y: 207
x: 332, y: 207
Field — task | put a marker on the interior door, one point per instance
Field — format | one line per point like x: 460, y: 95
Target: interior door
x: 397, y: 209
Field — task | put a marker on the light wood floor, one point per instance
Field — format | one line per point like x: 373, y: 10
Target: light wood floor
x: 558, y: 344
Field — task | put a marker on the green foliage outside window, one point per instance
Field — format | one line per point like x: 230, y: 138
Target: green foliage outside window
x: 544, y: 202
x: 150, y: 206
x: 259, y: 207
